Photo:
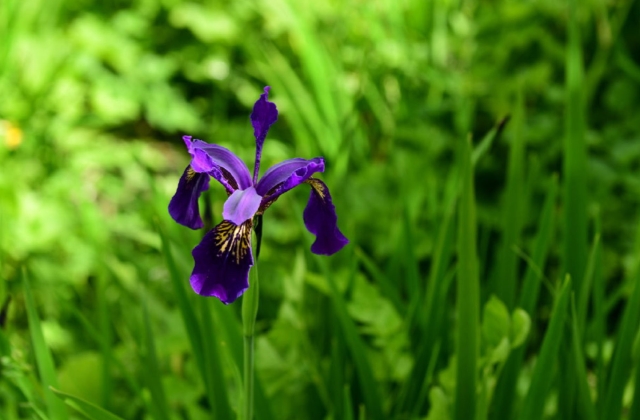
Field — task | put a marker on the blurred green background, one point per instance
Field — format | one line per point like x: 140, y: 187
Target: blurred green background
x: 94, y: 99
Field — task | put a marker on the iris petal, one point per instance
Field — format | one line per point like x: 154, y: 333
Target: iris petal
x: 184, y: 204
x: 320, y: 219
x: 222, y: 261
x: 219, y: 162
x: 241, y: 205
x: 286, y: 175
x: 264, y: 114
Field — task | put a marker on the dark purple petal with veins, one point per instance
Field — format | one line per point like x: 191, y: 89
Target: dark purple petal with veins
x: 241, y: 205
x: 321, y: 220
x: 222, y: 262
x: 285, y: 175
x: 263, y: 116
x: 184, y: 204
x: 219, y: 162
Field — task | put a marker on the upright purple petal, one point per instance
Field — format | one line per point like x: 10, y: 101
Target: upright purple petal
x: 241, y: 206
x: 263, y: 116
x: 219, y: 162
x: 222, y: 262
x: 184, y: 204
x: 320, y: 219
x: 286, y: 175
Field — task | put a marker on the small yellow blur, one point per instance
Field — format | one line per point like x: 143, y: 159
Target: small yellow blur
x: 12, y: 134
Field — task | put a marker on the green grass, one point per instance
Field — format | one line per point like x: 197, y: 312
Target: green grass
x: 491, y: 279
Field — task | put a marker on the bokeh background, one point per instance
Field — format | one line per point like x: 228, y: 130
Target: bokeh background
x: 94, y: 99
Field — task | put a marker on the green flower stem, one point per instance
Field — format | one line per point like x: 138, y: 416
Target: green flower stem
x: 249, y: 313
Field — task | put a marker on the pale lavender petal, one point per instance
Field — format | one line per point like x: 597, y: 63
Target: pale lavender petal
x: 222, y: 262
x: 320, y: 219
x: 285, y: 175
x: 219, y: 162
x: 241, y: 205
x: 184, y: 204
x: 263, y: 116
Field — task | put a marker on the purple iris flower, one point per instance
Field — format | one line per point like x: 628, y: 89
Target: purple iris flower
x: 223, y: 258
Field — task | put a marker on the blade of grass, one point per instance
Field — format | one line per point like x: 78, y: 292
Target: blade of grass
x: 575, y: 159
x: 431, y: 312
x: 204, y: 347
x: 149, y: 359
x: 622, y: 361
x: 191, y: 323
x: 586, y: 408
x: 347, y: 414
x: 512, y: 207
x: 230, y: 334
x: 485, y: 144
x: 467, y: 295
x: 634, y: 413
x: 583, y: 298
x: 106, y: 339
x: 575, y: 195
x: 386, y: 285
x: 542, y: 376
x: 96, y: 336
x: 355, y: 345
x: 599, y: 320
x: 212, y: 370
x: 44, y: 361
x: 505, y: 393
x: 90, y: 410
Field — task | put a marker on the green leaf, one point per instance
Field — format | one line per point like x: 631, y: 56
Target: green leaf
x: 90, y: 410
x: 520, y: 327
x: 496, y: 322
x: 440, y: 405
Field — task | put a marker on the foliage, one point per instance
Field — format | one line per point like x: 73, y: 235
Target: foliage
x: 94, y: 295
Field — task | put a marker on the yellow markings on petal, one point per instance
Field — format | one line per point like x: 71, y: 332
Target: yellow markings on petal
x: 318, y: 186
x: 233, y: 240
x: 190, y: 174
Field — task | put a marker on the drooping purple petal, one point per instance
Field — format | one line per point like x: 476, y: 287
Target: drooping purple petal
x: 222, y: 262
x: 219, y: 162
x: 263, y: 116
x: 183, y: 207
x: 241, y: 205
x: 285, y: 175
x: 320, y: 219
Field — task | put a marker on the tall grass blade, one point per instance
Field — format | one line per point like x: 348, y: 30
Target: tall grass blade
x: 599, y: 321
x: 106, y: 339
x: 505, y: 393
x: 622, y: 360
x: 44, y: 361
x: 355, y: 344
x: 467, y: 295
x: 212, y: 370
x: 485, y: 144
x: 153, y: 375
x: 191, y: 323
x: 512, y: 216
x: 575, y: 158
x: 586, y: 408
x: 90, y: 410
x: 635, y: 406
x: 201, y: 337
x: 542, y: 376
x: 230, y: 330
x: 585, y: 292
x: 575, y: 198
